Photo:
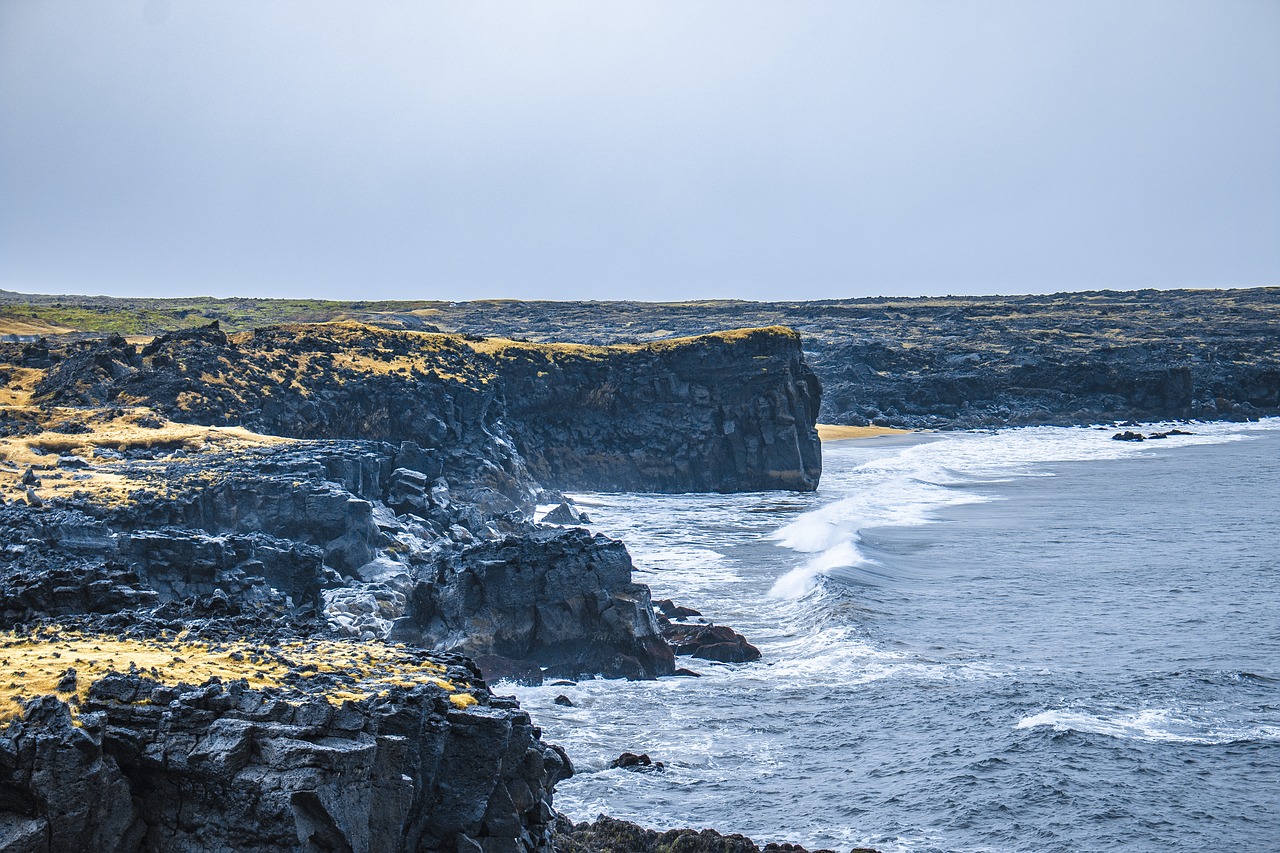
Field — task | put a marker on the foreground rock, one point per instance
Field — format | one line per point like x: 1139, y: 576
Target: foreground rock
x: 609, y: 835
x: 142, y: 763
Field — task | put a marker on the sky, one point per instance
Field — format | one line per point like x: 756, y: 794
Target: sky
x: 637, y: 150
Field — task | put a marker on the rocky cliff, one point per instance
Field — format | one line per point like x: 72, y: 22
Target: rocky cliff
x: 237, y: 574
x: 731, y: 411
x: 314, y: 747
x: 726, y: 412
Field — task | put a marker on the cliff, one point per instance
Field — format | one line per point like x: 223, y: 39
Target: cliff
x: 726, y: 412
x: 731, y: 411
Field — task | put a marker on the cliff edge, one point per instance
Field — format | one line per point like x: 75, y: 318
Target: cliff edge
x: 726, y: 412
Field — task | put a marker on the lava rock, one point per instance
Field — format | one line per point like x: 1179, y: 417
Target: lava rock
x: 631, y: 761
x: 710, y: 642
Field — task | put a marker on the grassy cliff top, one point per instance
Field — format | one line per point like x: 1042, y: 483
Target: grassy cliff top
x: 1117, y: 317
x: 39, y: 663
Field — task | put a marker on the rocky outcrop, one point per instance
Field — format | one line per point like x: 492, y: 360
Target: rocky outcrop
x: 314, y: 529
x: 560, y: 600
x: 709, y: 642
x: 732, y: 411
x: 143, y: 766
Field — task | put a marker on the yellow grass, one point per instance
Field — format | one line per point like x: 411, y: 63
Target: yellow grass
x: 33, y: 665
x: 16, y: 326
x: 840, y: 432
x: 106, y: 480
x: 21, y: 383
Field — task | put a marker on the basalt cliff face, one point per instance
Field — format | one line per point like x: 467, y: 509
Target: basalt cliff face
x: 726, y: 412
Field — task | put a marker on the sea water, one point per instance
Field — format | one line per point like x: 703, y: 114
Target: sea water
x: 1037, y: 639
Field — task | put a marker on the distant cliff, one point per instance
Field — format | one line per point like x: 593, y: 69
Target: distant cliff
x: 946, y: 362
x: 726, y: 412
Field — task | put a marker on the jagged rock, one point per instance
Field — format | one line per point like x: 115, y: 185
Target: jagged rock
x: 1129, y: 435
x: 565, y: 513
x: 671, y: 610
x: 563, y: 700
x: 224, y: 768
x: 631, y: 761
x: 562, y: 598
x: 609, y: 835
x: 710, y: 642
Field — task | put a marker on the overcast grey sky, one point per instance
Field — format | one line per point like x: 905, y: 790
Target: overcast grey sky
x: 644, y: 150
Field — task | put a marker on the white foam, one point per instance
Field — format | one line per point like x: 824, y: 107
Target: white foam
x: 1151, y: 724
x: 909, y: 486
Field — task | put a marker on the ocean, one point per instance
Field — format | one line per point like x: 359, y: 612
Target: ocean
x: 1035, y: 639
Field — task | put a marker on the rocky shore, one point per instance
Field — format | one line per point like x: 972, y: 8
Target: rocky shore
x: 253, y: 587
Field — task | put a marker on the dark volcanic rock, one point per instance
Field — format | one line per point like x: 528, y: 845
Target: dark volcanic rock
x: 631, y: 761
x: 732, y: 411
x: 609, y: 835
x: 315, y: 382
x: 561, y: 598
x: 566, y: 513
x: 728, y: 412
x: 709, y: 642
x: 145, y: 767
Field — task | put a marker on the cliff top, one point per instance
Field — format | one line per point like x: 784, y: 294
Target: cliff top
x: 53, y: 662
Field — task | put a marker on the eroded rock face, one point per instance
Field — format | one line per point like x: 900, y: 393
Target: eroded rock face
x: 726, y: 412
x: 224, y: 768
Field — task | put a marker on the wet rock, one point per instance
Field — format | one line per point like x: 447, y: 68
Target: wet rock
x: 563, y: 700
x: 671, y: 610
x: 1129, y: 435
x: 631, y: 761
x: 710, y: 642
x: 565, y: 513
x: 609, y: 835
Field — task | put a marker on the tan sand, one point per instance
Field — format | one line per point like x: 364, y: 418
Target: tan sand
x: 840, y: 432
